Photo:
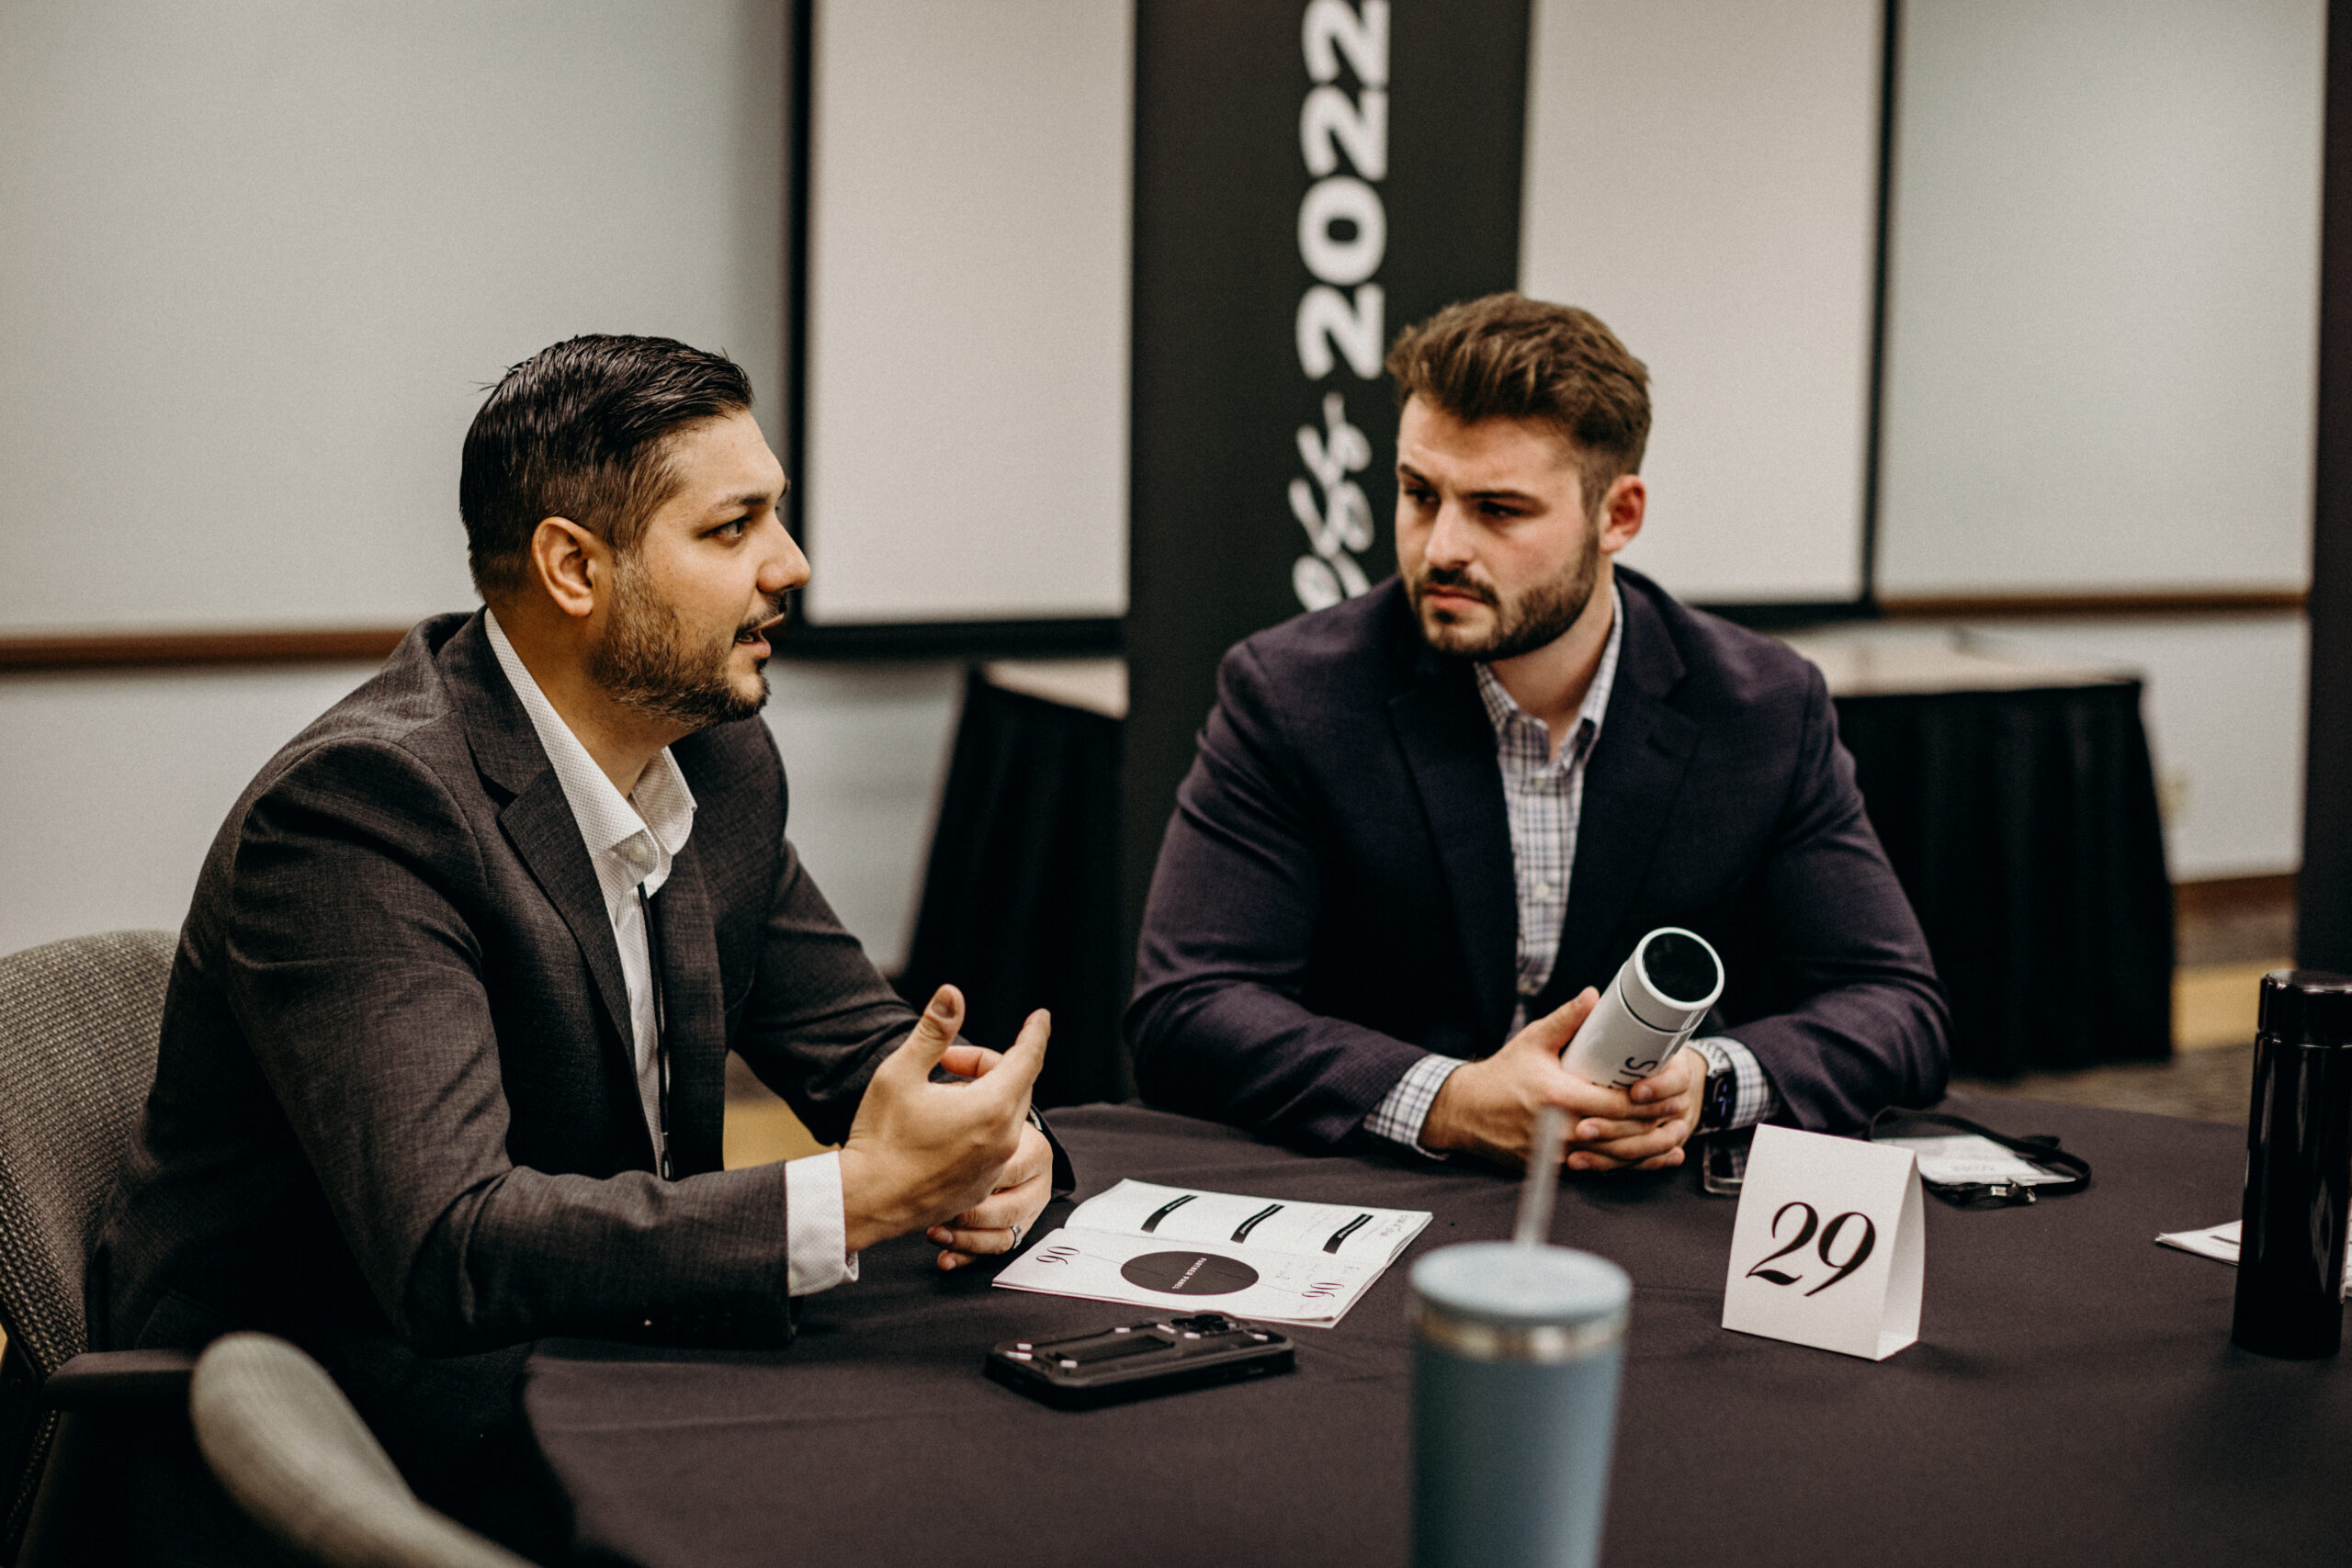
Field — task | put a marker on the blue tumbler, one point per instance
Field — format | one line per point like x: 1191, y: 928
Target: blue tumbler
x: 1516, y: 1352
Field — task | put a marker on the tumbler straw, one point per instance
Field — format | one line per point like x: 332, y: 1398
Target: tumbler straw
x: 1534, y: 1224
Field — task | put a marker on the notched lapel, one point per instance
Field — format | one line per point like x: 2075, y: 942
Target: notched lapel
x: 1630, y: 787
x: 539, y: 824
x: 1450, y: 750
x: 695, y: 1013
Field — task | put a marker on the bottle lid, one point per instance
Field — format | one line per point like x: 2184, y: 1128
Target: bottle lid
x: 2307, y: 1007
x: 1493, y: 1300
x: 1674, y: 978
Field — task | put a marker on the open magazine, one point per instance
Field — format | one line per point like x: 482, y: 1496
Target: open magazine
x: 1183, y: 1249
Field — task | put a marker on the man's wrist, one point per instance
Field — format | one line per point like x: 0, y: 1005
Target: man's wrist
x: 1402, y: 1115
x: 1737, y: 1093
x: 864, y: 1223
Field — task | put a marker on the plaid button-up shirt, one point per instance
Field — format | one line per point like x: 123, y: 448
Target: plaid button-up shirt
x: 1543, y: 802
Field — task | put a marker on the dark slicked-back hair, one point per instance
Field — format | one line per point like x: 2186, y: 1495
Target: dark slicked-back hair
x: 583, y: 431
x: 1506, y: 357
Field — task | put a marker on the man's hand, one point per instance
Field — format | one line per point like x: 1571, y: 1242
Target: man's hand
x: 920, y: 1152
x: 1489, y: 1108
x: 1665, y: 1104
x: 998, y: 1222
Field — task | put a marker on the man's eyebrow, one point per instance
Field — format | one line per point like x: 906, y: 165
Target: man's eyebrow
x: 750, y: 498
x: 1500, y: 493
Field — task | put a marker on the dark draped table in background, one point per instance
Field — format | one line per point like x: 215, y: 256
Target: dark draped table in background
x: 2073, y: 1399
x: 2023, y: 825
x: 2021, y: 821
x: 1021, y: 902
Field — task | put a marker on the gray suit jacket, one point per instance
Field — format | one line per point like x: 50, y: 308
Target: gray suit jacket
x: 394, y: 1102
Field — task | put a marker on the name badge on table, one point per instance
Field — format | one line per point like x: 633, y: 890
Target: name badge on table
x: 1829, y: 1248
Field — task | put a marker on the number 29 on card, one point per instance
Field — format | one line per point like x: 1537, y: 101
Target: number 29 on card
x: 1827, y: 1249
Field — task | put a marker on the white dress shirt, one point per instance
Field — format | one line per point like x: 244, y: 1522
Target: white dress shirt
x: 632, y: 840
x: 1543, y: 802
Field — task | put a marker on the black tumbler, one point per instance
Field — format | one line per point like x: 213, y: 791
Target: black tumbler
x: 2298, y: 1168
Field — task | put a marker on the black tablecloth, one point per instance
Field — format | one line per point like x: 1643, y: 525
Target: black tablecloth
x: 2022, y: 824
x: 2073, y: 1398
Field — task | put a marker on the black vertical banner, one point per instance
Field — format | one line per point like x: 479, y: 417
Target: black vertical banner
x: 1311, y: 175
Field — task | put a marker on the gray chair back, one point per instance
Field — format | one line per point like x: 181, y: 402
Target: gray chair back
x: 288, y: 1446
x: 79, y: 1021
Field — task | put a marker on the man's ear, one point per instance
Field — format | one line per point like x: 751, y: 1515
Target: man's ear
x: 570, y: 564
x: 1622, y: 510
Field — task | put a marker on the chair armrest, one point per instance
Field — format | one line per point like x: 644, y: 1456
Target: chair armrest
x: 115, y: 1380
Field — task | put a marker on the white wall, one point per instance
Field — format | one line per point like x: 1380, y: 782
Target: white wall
x: 1704, y: 178
x: 257, y: 260
x: 2102, y: 318
x: 259, y: 257
x: 124, y: 779
x: 967, y: 430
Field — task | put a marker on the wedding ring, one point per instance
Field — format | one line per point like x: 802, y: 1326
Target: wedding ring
x: 1016, y: 1240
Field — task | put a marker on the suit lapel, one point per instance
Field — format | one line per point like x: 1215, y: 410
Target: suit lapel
x: 694, y: 1014
x: 1629, y: 785
x: 539, y: 822
x: 1449, y: 748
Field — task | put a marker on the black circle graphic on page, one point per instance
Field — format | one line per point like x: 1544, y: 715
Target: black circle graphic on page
x: 1189, y: 1273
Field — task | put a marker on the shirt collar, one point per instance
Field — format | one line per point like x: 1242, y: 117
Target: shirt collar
x: 631, y: 837
x: 1502, y: 712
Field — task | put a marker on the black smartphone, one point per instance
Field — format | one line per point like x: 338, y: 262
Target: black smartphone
x: 1136, y: 1360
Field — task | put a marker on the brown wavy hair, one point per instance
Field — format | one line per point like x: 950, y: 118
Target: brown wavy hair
x: 1506, y: 357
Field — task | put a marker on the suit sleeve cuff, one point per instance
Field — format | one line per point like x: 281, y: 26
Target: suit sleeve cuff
x: 817, y: 1255
x: 1753, y: 1099
x: 1401, y: 1115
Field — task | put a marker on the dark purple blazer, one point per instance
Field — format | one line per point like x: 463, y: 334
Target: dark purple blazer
x: 1335, y: 894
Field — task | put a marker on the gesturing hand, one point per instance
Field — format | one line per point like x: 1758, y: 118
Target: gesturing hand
x: 1489, y: 1108
x: 998, y: 1222
x: 920, y: 1152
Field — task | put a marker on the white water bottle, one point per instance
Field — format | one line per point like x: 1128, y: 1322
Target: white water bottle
x: 1649, y: 1010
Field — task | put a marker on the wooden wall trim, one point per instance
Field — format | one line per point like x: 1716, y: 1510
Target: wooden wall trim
x: 1953, y: 606
x: 328, y: 645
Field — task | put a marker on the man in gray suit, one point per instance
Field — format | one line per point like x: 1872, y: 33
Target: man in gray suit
x: 443, y: 1057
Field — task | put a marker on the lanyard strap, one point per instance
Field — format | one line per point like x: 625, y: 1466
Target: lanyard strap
x: 661, y: 1039
x: 2037, y: 1148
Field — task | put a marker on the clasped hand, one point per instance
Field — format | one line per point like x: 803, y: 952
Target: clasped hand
x: 959, y: 1161
x: 1489, y: 1108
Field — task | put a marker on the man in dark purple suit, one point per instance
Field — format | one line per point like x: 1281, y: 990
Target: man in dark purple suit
x: 1424, y: 824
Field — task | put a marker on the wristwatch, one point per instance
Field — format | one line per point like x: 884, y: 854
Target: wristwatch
x: 1719, y: 1094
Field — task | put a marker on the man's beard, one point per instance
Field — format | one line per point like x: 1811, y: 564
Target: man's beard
x: 1538, y: 616
x: 646, y: 662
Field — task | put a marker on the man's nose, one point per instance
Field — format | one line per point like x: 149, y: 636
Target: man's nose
x: 783, y: 567
x: 1453, y: 541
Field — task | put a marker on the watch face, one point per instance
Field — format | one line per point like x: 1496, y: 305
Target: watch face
x: 1723, y: 1087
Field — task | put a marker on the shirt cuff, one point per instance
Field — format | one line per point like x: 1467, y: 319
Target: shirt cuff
x: 1753, y: 1099
x: 1399, y: 1117
x: 817, y: 1255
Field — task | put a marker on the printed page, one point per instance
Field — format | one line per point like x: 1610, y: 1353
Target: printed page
x: 1228, y: 1219
x: 1314, y: 1290
x: 2222, y: 1243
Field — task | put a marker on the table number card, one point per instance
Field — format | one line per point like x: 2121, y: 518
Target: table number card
x: 1829, y: 1249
